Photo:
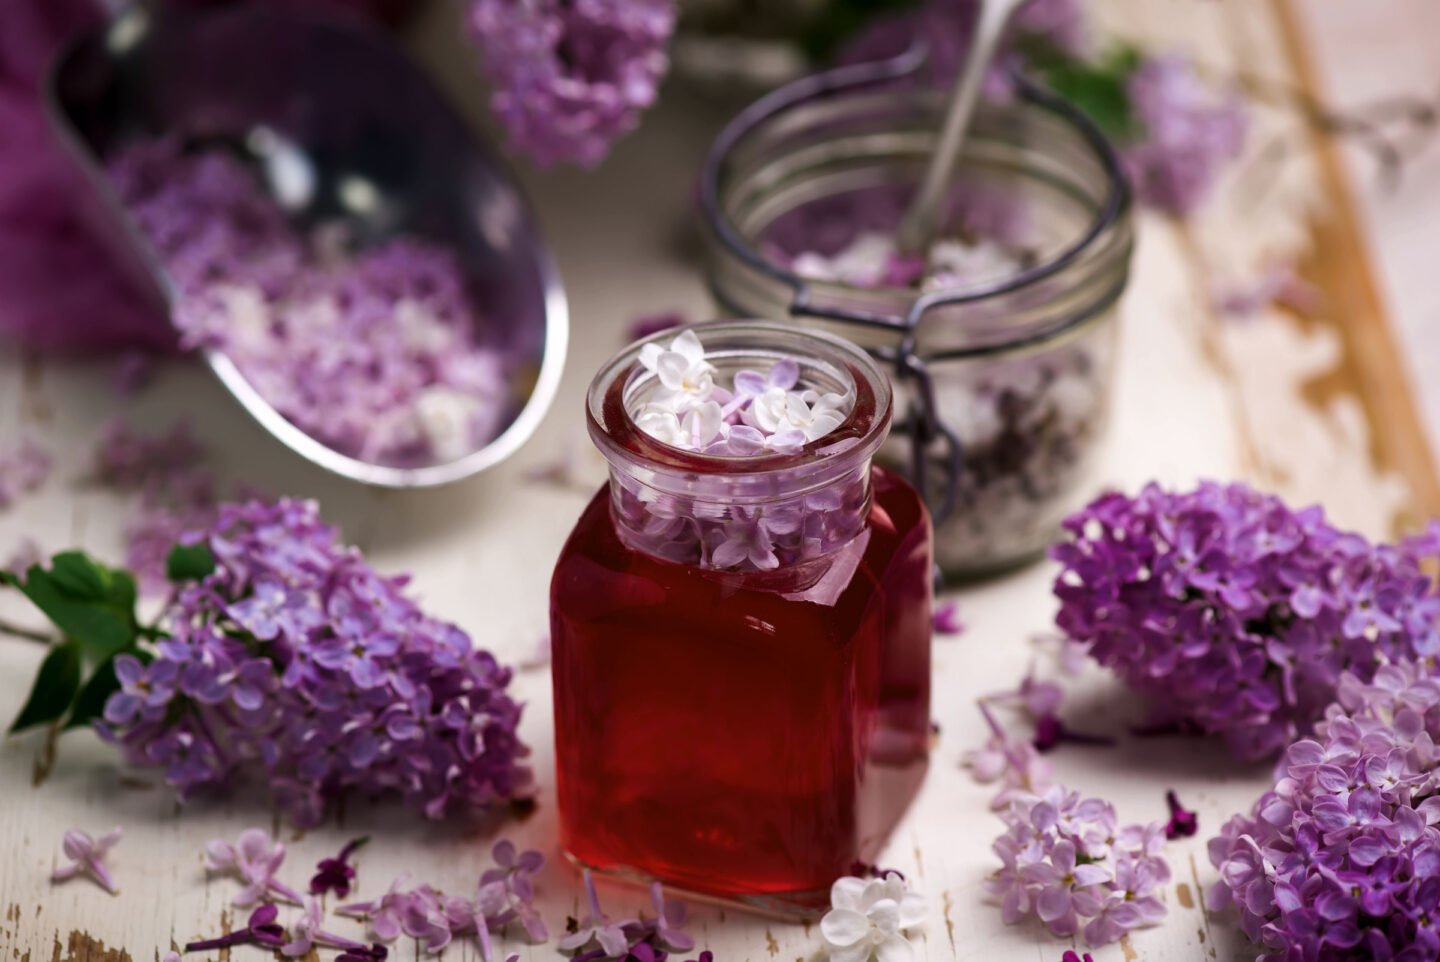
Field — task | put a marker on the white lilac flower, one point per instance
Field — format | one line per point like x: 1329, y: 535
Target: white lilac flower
x: 961, y: 263
x: 815, y: 416
x: 446, y: 419
x: 862, y: 262
x: 764, y: 412
x: 872, y: 919
x: 682, y: 369
x: 662, y: 424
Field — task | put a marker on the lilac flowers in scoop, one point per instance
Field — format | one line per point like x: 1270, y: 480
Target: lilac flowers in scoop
x: 373, y: 352
x: 1341, y: 859
x: 1234, y: 612
x: 292, y: 657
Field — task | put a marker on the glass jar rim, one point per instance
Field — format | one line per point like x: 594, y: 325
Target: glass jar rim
x: 857, y: 79
x: 613, y: 429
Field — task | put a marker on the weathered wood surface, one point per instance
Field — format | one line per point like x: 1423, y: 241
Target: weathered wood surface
x: 1317, y: 407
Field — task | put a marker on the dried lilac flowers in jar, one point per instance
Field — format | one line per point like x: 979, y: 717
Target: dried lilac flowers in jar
x: 1000, y: 337
x: 374, y: 352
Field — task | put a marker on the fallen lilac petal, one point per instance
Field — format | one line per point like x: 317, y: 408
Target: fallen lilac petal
x: 260, y: 929
x: 336, y: 874
x: 947, y: 618
x: 87, y: 857
x: 1183, y: 822
x: 1050, y: 732
x: 254, y: 858
x: 649, y: 324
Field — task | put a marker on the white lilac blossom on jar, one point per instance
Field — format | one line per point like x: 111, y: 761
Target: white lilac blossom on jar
x: 375, y: 352
x: 760, y: 411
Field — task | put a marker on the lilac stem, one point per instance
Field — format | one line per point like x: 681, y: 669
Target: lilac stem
x: 487, y: 951
x: 351, y: 846
x: 1006, y: 747
x: 590, y: 894
x: 26, y: 634
x: 285, y: 892
x: 334, y: 941
x: 222, y: 942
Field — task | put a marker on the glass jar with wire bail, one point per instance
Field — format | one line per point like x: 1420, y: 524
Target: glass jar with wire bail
x: 1001, y: 338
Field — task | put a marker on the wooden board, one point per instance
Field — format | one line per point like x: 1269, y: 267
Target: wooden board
x: 1317, y: 407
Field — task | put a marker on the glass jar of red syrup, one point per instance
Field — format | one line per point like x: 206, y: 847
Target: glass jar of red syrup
x: 743, y: 724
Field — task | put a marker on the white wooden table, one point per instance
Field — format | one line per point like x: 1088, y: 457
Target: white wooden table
x: 1318, y: 408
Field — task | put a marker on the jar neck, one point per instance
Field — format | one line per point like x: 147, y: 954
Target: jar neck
x: 744, y: 513
x: 741, y: 523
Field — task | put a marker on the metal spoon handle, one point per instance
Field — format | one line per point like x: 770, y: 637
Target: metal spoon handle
x: 922, y: 216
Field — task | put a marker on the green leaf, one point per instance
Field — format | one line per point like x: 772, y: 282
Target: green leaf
x: 55, y: 686
x: 78, y: 576
x: 89, y: 603
x: 189, y: 562
x: 90, y: 702
x: 1100, y: 89
x: 840, y: 21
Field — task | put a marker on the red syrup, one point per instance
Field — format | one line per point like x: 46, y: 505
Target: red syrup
x: 750, y: 736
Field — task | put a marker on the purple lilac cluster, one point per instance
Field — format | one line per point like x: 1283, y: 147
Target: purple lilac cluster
x: 372, y: 352
x: 1176, y: 132
x: 504, y: 895
x: 294, y: 658
x: 1236, y: 614
x: 23, y: 469
x: 170, y: 473
x: 1067, y: 861
x: 1189, y: 133
x: 571, y: 78
x: 1341, y: 859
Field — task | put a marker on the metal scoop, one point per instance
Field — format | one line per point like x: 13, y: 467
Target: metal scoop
x: 923, y: 214
x: 343, y: 127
